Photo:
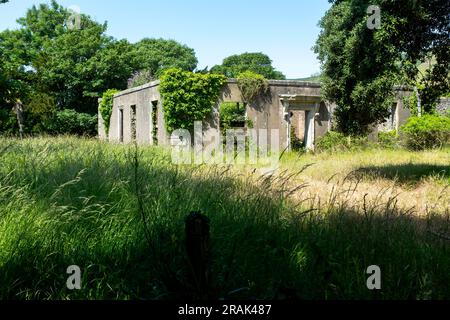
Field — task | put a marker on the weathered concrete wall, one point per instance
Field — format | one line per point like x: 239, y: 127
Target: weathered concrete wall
x: 142, y: 98
x: 322, y: 121
x: 399, y: 112
x: 266, y: 112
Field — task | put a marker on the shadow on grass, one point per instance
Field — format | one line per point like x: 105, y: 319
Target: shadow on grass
x: 263, y: 246
x: 407, y: 173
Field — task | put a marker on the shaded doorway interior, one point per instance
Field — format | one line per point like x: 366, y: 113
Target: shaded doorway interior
x: 133, y: 123
x: 121, y: 125
x: 154, y: 122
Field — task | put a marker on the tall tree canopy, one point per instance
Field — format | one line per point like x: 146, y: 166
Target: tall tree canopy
x: 158, y: 55
x: 256, y: 62
x: 361, y: 65
x: 74, y: 65
x: 52, y: 64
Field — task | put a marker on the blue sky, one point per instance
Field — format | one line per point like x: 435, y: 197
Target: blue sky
x: 286, y: 30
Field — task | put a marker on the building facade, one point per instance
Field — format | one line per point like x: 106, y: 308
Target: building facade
x: 294, y: 109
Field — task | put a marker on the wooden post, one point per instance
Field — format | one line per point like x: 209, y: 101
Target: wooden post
x: 197, y: 247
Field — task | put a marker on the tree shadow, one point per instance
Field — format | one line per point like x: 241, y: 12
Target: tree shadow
x: 404, y: 173
x: 264, y: 246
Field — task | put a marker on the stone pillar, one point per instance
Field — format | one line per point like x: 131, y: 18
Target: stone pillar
x: 287, y: 118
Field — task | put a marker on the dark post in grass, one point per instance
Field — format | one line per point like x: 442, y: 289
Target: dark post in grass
x: 18, y: 110
x: 197, y: 247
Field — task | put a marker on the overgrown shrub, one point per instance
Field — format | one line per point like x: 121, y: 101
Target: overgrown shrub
x: 70, y: 122
x: 106, y: 107
x: 427, y: 132
x: 231, y: 114
x: 8, y: 122
x: 252, y: 85
x: 335, y: 141
x: 389, y: 139
x: 188, y: 97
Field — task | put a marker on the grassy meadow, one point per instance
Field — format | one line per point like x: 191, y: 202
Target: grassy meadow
x: 309, y: 231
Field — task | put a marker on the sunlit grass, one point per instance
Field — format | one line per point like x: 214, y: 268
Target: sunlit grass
x: 66, y: 201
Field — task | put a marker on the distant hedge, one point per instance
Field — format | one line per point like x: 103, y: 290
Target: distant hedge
x: 73, y: 123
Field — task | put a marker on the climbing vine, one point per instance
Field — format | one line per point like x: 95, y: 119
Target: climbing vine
x: 106, y: 107
x: 188, y: 97
x: 231, y: 113
x: 252, y: 85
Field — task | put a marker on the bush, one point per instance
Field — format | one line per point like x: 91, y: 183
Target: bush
x: 252, y: 85
x: 106, y: 107
x: 388, y: 139
x: 231, y: 114
x: 335, y: 141
x: 427, y: 132
x: 188, y: 97
x: 73, y: 123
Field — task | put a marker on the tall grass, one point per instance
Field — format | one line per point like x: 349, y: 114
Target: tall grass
x: 118, y: 213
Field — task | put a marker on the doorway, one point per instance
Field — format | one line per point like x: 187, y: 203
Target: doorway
x: 121, y: 125
x: 154, y: 123
x: 133, y: 123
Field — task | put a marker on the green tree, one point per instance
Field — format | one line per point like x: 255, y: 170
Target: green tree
x: 157, y: 55
x: 188, y: 97
x: 256, y: 62
x: 361, y: 65
x: 74, y: 65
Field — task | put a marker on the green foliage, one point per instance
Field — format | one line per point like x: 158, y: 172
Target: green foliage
x: 106, y: 107
x: 336, y: 142
x: 158, y: 55
x: 76, y: 66
x: 390, y: 139
x: 82, y: 64
x: 231, y: 113
x: 70, y: 122
x: 361, y: 65
x: 427, y: 132
x: 411, y: 102
x: 67, y: 198
x: 252, y: 85
x: 140, y: 78
x: 40, y: 110
x: 258, y: 63
x: 73, y: 65
x: 188, y: 97
x: 296, y: 143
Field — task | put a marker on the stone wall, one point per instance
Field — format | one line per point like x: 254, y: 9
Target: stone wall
x: 443, y: 106
x: 267, y: 112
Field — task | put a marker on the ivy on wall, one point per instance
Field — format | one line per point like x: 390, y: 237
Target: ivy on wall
x: 106, y: 107
x: 188, y: 97
x: 252, y: 85
x: 232, y: 114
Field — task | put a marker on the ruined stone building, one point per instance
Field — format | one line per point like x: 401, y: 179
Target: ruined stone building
x: 295, y: 108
